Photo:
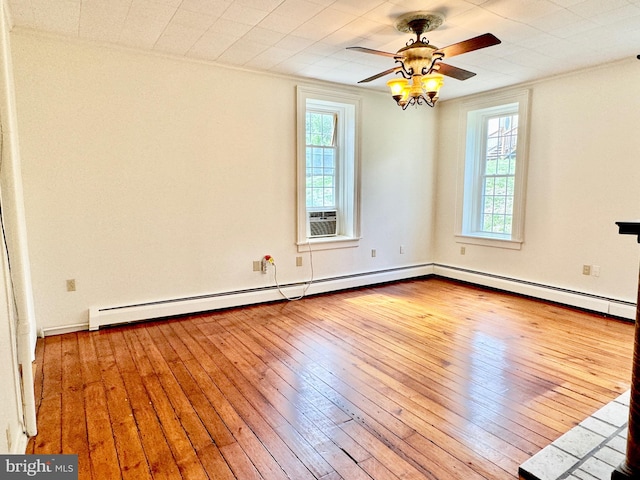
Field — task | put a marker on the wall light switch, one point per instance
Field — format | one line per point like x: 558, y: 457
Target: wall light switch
x: 71, y: 285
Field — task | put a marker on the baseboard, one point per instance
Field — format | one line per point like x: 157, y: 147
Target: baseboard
x: 595, y: 303
x: 102, y: 316
x: 77, y: 327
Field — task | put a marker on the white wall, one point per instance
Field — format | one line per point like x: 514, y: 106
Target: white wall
x: 150, y: 178
x: 584, y: 174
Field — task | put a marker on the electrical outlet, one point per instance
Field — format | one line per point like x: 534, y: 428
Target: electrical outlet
x: 586, y: 269
x: 373, y: 252
x: 463, y: 250
x: 298, y: 261
x: 595, y: 270
x: 257, y: 266
x: 263, y: 265
x: 401, y: 249
x: 71, y: 285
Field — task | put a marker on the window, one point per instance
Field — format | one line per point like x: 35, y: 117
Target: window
x: 321, y: 160
x: 495, y: 164
x: 328, y: 169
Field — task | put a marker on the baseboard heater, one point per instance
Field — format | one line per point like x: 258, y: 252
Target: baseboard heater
x: 572, y: 298
x: 103, y: 316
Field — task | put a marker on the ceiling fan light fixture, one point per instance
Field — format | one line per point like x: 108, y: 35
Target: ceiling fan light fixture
x: 399, y: 90
x: 432, y: 83
x: 422, y: 63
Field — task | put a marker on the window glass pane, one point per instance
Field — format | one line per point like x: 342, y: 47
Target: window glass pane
x: 511, y: 186
x: 509, y: 204
x: 508, y: 220
x: 320, y: 129
x: 503, y: 165
x: 498, y: 224
x: 487, y: 205
x: 320, y: 160
x: 487, y: 224
x: 489, y: 186
x: 491, y: 166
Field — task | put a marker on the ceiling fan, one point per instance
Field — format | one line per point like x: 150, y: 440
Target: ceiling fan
x: 421, y: 62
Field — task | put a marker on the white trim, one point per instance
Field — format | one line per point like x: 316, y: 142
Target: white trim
x: 76, y: 327
x: 101, y: 316
x: 489, y: 241
x: 609, y: 306
x: 328, y: 243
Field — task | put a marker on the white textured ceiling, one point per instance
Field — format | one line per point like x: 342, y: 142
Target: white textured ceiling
x: 307, y: 38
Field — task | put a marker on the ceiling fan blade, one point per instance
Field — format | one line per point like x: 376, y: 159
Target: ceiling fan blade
x: 375, y: 52
x: 381, y: 74
x: 475, y: 43
x: 453, y: 72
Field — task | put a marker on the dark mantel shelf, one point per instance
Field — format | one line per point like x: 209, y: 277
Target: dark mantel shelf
x: 629, y: 228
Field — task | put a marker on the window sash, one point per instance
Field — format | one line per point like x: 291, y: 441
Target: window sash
x: 322, y: 166
x: 497, y: 177
x: 321, y: 177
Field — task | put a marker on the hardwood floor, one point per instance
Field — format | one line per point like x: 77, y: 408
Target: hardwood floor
x: 424, y: 379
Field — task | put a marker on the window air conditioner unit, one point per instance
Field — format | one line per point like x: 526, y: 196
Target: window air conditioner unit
x: 323, y: 224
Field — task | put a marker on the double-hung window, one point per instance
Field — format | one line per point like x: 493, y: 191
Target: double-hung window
x: 495, y: 164
x: 328, y: 185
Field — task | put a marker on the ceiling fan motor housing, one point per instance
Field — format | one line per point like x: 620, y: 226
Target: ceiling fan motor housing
x: 417, y: 58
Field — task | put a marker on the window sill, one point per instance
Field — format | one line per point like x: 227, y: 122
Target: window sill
x: 490, y: 241
x: 328, y: 243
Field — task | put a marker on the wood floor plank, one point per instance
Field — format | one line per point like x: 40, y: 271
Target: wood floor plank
x: 74, y: 428
x: 421, y: 379
x: 100, y: 438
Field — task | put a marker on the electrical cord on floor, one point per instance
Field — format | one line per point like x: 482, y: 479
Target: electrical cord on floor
x: 306, y: 285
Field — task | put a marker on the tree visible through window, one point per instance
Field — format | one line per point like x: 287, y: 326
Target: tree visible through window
x: 321, y: 159
x: 499, y: 174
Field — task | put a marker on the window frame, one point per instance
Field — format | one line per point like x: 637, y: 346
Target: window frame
x: 347, y: 107
x: 473, y: 116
